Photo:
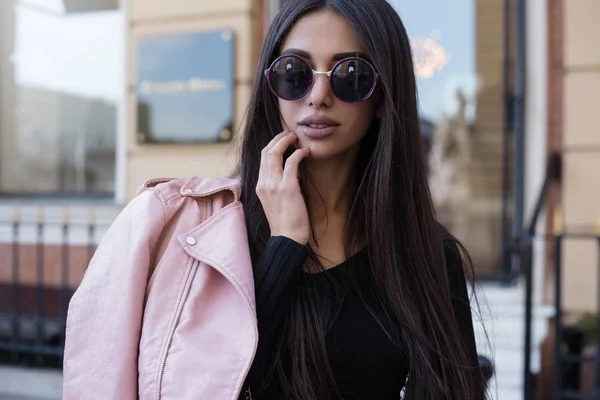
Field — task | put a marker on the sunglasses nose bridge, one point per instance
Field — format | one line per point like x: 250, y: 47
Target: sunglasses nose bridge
x: 326, y: 73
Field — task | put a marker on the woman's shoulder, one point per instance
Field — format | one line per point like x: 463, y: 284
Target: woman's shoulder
x: 183, y: 203
x: 195, y: 186
x: 453, y: 250
x: 160, y: 199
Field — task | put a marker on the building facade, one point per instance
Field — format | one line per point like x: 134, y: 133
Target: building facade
x: 502, y: 84
x: 574, y: 84
x: 148, y: 18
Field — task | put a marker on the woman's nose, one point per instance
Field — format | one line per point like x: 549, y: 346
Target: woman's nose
x: 320, y: 94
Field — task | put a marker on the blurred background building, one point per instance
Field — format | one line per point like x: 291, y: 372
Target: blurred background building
x: 97, y: 96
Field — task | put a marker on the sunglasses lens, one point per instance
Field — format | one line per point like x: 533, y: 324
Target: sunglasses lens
x: 353, y: 80
x: 290, y: 77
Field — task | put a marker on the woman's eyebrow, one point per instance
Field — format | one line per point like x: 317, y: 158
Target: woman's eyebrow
x: 297, y: 52
x: 336, y: 57
x: 341, y: 56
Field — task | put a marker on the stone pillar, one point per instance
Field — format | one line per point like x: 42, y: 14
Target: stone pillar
x: 581, y: 141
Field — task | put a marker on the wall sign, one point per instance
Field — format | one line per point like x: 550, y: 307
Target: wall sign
x: 185, y: 87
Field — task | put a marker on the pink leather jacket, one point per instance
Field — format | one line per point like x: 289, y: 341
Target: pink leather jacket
x: 166, y: 309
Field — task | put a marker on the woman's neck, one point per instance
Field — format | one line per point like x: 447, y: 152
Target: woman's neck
x: 330, y: 192
x: 331, y: 188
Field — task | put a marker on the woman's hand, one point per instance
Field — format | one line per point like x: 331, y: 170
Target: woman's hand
x: 278, y: 189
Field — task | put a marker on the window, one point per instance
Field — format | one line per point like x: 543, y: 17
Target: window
x: 459, y: 57
x: 61, y: 77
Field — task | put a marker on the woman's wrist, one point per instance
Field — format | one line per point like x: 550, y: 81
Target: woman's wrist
x: 296, y: 237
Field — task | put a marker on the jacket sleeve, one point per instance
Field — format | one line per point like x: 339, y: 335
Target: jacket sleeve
x: 105, y: 314
x: 275, y: 277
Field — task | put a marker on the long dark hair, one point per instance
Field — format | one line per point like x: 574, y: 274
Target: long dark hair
x: 391, y: 213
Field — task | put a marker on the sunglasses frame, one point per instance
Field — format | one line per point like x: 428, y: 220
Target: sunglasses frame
x: 327, y: 73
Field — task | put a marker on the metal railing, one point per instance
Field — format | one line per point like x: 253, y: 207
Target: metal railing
x: 524, y: 251
x: 566, y: 362
x: 42, y: 260
x: 567, y: 380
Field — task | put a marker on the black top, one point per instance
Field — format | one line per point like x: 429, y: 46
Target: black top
x: 366, y: 362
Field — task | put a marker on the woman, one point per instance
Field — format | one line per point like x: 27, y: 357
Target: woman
x: 327, y: 248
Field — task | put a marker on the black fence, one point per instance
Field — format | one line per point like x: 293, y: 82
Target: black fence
x: 570, y: 367
x: 571, y: 357
x: 42, y: 260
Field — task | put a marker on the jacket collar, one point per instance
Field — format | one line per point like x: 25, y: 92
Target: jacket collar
x: 202, y: 187
x: 221, y: 241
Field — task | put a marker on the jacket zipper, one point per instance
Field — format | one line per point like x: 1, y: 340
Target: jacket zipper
x: 186, y: 294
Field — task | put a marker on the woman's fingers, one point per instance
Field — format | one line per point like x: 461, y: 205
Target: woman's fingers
x: 263, y: 173
x: 293, y: 162
x: 281, y: 198
x: 276, y: 139
x: 275, y: 156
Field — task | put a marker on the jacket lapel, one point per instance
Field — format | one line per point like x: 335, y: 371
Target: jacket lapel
x: 221, y: 241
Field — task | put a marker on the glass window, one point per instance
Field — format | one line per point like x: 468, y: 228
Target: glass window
x: 61, y: 77
x: 459, y: 56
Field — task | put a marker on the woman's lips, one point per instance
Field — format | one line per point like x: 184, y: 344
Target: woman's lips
x: 318, y: 126
x: 317, y: 131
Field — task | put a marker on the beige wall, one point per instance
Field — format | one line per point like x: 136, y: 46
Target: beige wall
x: 581, y: 178
x: 159, y: 16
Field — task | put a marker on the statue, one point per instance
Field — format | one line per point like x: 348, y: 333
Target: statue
x: 449, y: 166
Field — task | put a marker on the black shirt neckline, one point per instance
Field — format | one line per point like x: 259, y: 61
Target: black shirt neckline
x: 336, y: 269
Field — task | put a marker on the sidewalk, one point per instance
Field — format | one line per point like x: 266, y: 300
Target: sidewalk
x: 30, y: 384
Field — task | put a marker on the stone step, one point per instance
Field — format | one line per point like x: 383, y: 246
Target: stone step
x: 504, y: 392
x: 30, y: 384
x: 502, y: 316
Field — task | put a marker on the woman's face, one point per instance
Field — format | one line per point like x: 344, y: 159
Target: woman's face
x: 323, y: 35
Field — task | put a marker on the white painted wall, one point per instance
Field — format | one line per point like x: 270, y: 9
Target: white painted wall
x: 536, y: 124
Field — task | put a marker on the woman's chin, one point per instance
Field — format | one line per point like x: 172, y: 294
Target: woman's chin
x: 322, y: 150
x: 318, y: 153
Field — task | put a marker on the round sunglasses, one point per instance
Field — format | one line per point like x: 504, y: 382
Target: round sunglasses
x: 352, y: 79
